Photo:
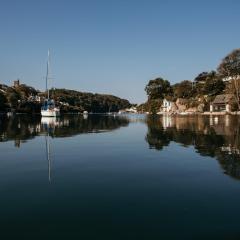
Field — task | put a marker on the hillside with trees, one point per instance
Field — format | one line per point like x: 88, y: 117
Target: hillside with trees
x: 71, y: 100
x: 199, y: 91
x: 25, y: 99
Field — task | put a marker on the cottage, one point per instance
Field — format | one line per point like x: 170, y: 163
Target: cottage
x: 222, y: 103
x: 166, y: 105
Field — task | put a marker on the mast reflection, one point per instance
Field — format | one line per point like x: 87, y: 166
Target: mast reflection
x: 49, y: 124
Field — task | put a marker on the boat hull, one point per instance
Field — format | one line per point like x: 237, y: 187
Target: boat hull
x: 50, y: 113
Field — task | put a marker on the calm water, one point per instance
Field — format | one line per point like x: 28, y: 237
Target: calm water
x: 124, y: 177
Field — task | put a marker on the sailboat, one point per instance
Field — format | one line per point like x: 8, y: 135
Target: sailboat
x: 48, y: 108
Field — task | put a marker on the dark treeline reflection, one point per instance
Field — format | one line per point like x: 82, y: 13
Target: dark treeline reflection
x: 23, y: 127
x: 212, y: 136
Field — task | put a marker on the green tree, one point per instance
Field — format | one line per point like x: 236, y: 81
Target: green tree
x: 201, y: 77
x: 214, y: 86
x: 184, y: 89
x: 3, y: 101
x: 158, y: 88
x: 13, y: 100
x: 229, y: 68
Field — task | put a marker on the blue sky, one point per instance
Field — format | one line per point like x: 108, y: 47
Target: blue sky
x: 114, y: 46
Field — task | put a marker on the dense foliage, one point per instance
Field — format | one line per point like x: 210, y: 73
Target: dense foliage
x: 184, y: 89
x: 97, y: 103
x: 26, y: 99
x: 230, y: 65
x: 229, y: 68
x: 158, y: 88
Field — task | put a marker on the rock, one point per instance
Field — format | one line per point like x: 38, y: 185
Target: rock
x: 200, y: 108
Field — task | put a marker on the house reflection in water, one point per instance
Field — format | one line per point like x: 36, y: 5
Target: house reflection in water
x: 166, y: 121
x: 217, y: 137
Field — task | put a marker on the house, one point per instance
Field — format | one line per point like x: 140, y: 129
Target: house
x: 167, y: 105
x: 230, y: 78
x: 222, y: 103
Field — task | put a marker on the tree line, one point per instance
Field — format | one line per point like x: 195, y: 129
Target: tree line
x: 26, y: 99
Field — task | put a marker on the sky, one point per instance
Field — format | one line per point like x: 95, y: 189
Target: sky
x: 114, y: 46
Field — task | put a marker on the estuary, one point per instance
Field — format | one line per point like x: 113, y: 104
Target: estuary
x: 120, y: 177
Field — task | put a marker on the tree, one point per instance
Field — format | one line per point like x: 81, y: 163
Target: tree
x: 201, y: 77
x: 184, y: 89
x: 3, y: 101
x: 13, y: 96
x: 214, y: 86
x: 158, y: 88
x: 229, y: 68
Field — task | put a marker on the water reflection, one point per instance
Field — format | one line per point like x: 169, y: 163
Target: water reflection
x: 23, y: 127
x: 216, y: 137
x: 48, y: 155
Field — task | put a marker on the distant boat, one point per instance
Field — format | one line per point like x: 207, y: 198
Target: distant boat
x: 9, y: 114
x: 85, y: 113
x: 49, y: 108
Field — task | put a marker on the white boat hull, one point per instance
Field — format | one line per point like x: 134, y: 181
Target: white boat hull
x: 50, y: 113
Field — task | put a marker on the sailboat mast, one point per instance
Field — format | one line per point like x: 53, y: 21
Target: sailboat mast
x: 47, y: 76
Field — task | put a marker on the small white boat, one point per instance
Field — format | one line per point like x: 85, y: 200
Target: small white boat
x: 85, y: 113
x: 49, y: 109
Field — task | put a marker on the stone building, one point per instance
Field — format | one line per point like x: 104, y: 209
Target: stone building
x: 222, y: 103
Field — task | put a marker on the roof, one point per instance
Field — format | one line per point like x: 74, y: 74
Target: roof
x: 223, y: 99
x: 167, y: 100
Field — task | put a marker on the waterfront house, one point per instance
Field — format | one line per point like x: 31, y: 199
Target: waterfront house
x: 222, y: 103
x: 166, y: 105
x: 230, y: 78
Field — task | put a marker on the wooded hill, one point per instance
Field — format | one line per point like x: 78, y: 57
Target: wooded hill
x: 26, y: 99
x: 79, y: 101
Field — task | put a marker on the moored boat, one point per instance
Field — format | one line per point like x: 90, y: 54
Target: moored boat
x: 49, y: 108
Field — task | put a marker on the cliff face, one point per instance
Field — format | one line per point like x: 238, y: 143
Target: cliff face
x: 184, y: 105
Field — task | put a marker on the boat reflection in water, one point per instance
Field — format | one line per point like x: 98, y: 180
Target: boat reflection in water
x: 56, y: 127
x: 24, y: 127
x: 48, y: 154
x: 49, y: 124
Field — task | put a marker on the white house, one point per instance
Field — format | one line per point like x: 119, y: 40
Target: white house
x: 230, y: 78
x: 166, y: 105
